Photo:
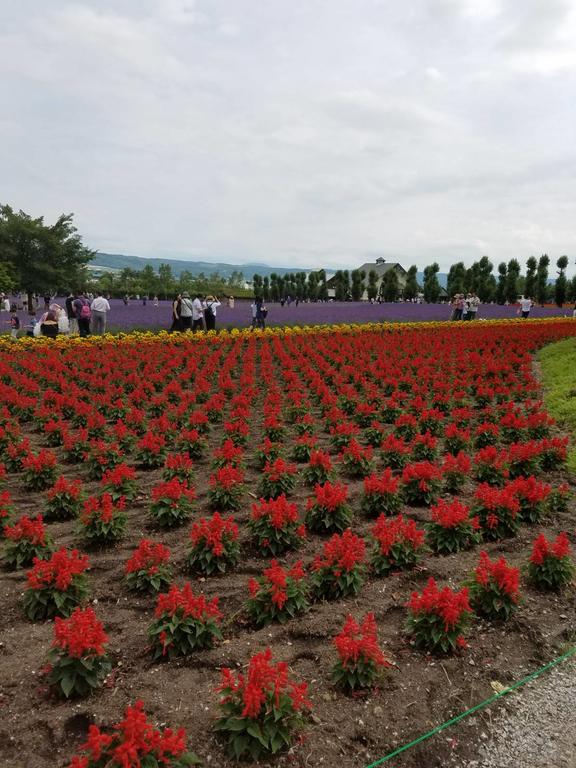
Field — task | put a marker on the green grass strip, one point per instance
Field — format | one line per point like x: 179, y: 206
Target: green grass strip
x: 558, y: 366
x: 471, y: 711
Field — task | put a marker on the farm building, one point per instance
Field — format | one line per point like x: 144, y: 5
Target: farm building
x: 381, y: 267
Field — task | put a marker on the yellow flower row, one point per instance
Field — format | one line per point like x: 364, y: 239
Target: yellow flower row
x: 146, y: 337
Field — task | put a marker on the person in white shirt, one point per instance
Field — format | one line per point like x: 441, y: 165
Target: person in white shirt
x: 526, y: 305
x: 473, y: 306
x: 186, y: 309
x: 99, y: 308
x: 197, y: 314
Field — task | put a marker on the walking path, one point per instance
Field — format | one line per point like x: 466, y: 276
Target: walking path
x: 538, y: 729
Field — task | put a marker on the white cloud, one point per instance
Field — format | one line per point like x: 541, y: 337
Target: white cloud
x: 303, y: 132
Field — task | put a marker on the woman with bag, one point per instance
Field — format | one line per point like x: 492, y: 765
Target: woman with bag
x: 176, y: 320
x: 210, y: 312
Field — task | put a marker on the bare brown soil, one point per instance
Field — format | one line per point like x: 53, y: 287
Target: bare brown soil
x: 39, y: 731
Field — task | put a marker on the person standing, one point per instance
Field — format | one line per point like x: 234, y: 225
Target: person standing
x: 176, y: 319
x: 72, y: 321
x: 210, y: 312
x: 458, y: 305
x: 526, y: 305
x: 261, y: 313
x: 100, y: 308
x: 197, y: 314
x: 466, y: 306
x: 83, y: 314
x: 473, y: 306
x: 14, y: 325
x: 186, y: 310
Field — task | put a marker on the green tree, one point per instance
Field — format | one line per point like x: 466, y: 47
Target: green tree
x: 323, y: 288
x: 372, y: 288
x: 456, y: 278
x: 342, y: 285
x: 281, y: 282
x: 472, y: 278
x: 301, y: 285
x: 42, y: 257
x: 560, y: 289
x: 266, y: 288
x: 357, y: 289
x: 542, y: 279
x: 7, y: 282
x: 129, y: 280
x: 485, y: 280
x: 149, y: 281
x: 257, y: 284
x: 166, y: 280
x: 339, y: 293
x: 512, y: 281
x: 185, y: 281
x: 312, y: 287
x: 346, y: 284
x: 573, y: 289
x: 502, y: 281
x: 236, y: 279
x: 274, y: 290
x: 389, y: 288
x: 108, y: 283
x: 431, y: 285
x: 530, y: 281
x: 411, y: 288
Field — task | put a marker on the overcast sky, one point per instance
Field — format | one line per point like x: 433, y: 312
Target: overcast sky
x: 295, y: 132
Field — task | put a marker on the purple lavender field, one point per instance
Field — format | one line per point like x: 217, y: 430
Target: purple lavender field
x: 149, y: 317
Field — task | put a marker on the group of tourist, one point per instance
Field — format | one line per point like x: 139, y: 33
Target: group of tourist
x: 199, y: 313
x: 194, y: 314
x: 465, y: 307
x: 83, y: 314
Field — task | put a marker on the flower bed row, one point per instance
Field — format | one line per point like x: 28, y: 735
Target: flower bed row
x: 376, y: 425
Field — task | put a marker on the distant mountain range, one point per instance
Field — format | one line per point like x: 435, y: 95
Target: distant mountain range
x: 114, y: 261
x: 108, y: 261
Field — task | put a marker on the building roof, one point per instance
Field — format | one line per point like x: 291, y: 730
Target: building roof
x: 379, y: 266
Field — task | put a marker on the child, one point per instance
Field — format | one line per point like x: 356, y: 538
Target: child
x: 14, y: 325
x: 31, y: 327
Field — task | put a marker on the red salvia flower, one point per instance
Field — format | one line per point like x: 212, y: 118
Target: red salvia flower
x: 148, y: 557
x: 359, y: 642
x: 58, y: 570
x: 80, y: 635
x: 30, y: 528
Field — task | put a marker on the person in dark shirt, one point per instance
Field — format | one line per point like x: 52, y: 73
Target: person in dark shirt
x: 71, y: 313
x: 49, y: 326
x: 14, y: 325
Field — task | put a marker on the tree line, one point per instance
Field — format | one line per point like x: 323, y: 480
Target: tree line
x: 510, y: 283
x: 164, y: 284
x: 507, y: 286
x: 36, y: 257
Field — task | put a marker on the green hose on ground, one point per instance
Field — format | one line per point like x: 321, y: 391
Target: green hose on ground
x: 475, y: 708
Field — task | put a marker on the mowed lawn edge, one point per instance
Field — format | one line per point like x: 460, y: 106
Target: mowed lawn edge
x: 558, y: 366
